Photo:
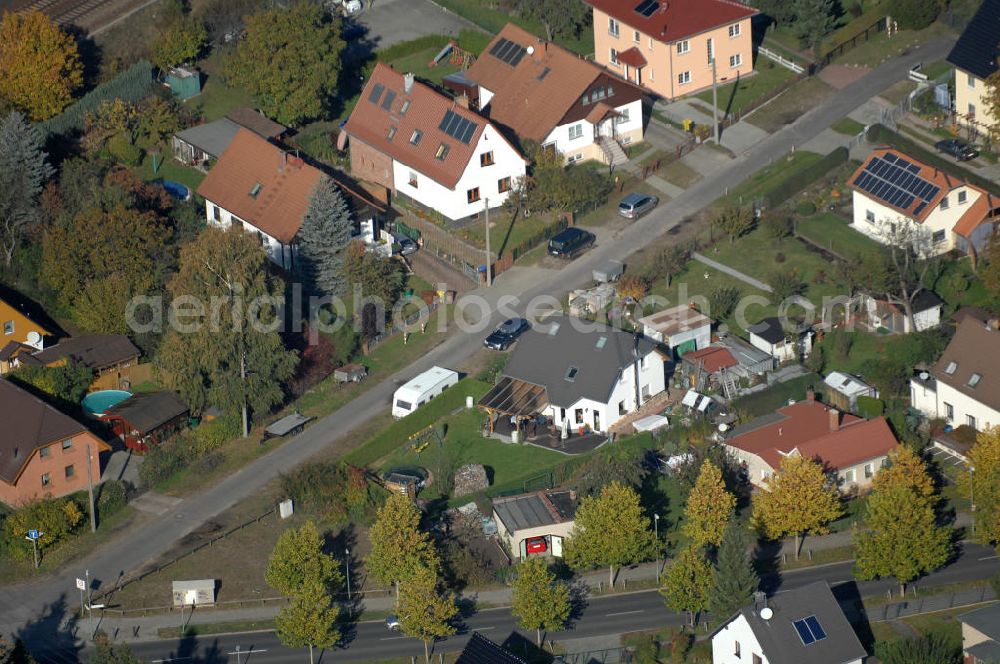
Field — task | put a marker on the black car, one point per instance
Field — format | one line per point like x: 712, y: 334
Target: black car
x: 406, y: 245
x: 957, y: 149
x: 508, y: 332
x: 570, y: 242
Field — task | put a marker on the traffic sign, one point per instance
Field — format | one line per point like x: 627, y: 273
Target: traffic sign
x: 81, y: 584
x: 33, y: 534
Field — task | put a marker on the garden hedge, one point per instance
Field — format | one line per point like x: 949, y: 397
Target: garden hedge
x: 133, y: 84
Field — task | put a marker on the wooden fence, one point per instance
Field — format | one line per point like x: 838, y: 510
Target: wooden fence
x: 125, y: 378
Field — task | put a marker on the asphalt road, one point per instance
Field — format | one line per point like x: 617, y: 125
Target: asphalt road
x: 35, y: 610
x: 600, y: 616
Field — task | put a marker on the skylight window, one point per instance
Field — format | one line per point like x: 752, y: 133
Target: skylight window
x: 442, y: 152
x: 417, y: 135
x: 571, y: 373
x: 405, y: 107
x: 255, y: 190
x: 951, y: 368
x: 974, y: 379
x: 602, y: 342
x: 809, y: 629
x: 392, y: 132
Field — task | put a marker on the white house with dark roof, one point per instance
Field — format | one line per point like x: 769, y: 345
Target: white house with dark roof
x: 975, y: 58
x: 963, y: 387
x: 981, y: 635
x: 801, y: 626
x: 885, y: 315
x: 891, y: 189
x: 414, y: 141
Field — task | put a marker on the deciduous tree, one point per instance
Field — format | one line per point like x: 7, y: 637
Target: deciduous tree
x: 298, y: 559
x: 982, y: 485
x: 539, y: 600
x: 734, y: 221
x: 40, y: 66
x: 709, y: 508
x: 799, y: 499
x: 179, y: 43
x: 914, y: 14
x: 903, y: 267
x: 668, y: 263
x: 309, y: 620
x: 324, y: 238
x: 425, y: 611
x: 611, y: 464
x: 24, y: 168
x: 400, y: 550
x: 107, y: 652
x: 814, y: 20
x: 610, y: 529
x: 372, y: 275
x: 561, y: 18
x: 992, y: 101
x: 687, y: 582
x: 289, y: 61
x: 931, y: 649
x: 734, y: 580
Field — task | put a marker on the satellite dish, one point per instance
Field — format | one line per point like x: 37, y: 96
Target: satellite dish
x: 766, y: 613
x: 723, y: 428
x: 924, y: 375
x: 530, y: 50
x: 34, y: 339
x: 791, y: 402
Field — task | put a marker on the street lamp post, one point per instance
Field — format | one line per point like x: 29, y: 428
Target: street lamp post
x: 972, y: 496
x: 347, y: 563
x: 656, y: 534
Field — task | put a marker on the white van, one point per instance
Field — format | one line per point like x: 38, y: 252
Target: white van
x: 421, y: 389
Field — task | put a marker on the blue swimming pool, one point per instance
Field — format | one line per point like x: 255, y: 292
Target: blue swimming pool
x: 176, y: 189
x: 98, y: 403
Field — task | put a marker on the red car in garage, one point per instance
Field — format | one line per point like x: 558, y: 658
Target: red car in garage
x: 536, y: 545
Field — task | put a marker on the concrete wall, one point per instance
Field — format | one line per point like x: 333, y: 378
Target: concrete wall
x: 29, y: 485
x: 934, y: 403
x: 665, y: 64
x: 970, y: 95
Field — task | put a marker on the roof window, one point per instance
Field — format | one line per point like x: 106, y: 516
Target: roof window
x: 809, y: 629
x: 392, y: 132
x: 417, y: 135
x: 405, y: 107
x: 602, y: 342
x: 951, y: 368
x: 974, y: 379
x: 255, y: 190
x: 571, y: 373
x: 442, y: 152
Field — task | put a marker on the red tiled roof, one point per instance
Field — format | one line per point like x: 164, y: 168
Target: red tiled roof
x: 975, y: 215
x: 672, y: 20
x: 945, y: 182
x: 714, y: 358
x: 286, y: 185
x: 371, y: 123
x: 806, y: 427
x: 633, y: 57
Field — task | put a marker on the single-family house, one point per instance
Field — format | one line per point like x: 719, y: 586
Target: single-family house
x: 892, y: 191
x: 536, y: 523
x: 539, y: 91
x: 146, y: 418
x: 23, y: 332
x: 850, y: 448
x: 112, y: 358
x: 42, y: 451
x: 884, y: 315
x: 421, y: 144
x: 844, y: 389
x: 785, y: 345
x: 582, y: 375
x: 674, y: 47
x: 798, y: 626
x: 963, y: 387
x: 197, y: 145
x: 975, y: 58
x: 681, y: 329
x: 981, y: 635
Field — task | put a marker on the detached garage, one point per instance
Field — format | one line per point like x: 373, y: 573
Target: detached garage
x: 535, y: 523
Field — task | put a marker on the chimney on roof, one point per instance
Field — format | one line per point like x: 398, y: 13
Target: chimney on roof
x: 834, y: 419
x: 462, y: 100
x: 779, y: 431
x: 810, y: 396
x: 408, y: 82
x: 282, y: 162
x: 663, y: 6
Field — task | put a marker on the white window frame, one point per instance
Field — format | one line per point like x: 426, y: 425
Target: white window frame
x: 683, y: 47
x: 622, y: 118
x: 8, y: 327
x: 945, y: 204
x: 963, y: 197
x: 614, y: 29
x: 613, y: 58
x: 971, y: 82
x: 736, y: 61
x: 414, y: 181
x: 710, y: 49
x: 684, y: 78
x: 939, y: 236
x: 949, y: 412
x: 636, y: 37
x: 970, y: 420
x: 576, y: 131
x: 734, y: 31
x: 849, y: 476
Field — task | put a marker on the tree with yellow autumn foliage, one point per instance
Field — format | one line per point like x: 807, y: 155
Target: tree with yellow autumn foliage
x: 981, y: 485
x: 709, y: 507
x: 40, y: 65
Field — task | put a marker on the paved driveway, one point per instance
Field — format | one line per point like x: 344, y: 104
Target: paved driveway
x: 393, y: 21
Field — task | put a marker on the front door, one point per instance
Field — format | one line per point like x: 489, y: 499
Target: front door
x: 597, y: 421
x: 606, y: 128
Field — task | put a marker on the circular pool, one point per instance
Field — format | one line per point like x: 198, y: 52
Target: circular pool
x: 98, y: 403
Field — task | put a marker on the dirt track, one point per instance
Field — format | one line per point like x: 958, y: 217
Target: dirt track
x: 88, y: 15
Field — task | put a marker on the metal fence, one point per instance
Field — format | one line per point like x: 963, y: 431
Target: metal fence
x: 930, y: 604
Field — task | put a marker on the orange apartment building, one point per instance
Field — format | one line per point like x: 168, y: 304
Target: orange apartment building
x: 667, y: 46
x: 42, y: 451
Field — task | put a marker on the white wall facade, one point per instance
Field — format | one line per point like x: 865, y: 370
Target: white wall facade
x: 870, y: 215
x: 971, y: 93
x: 584, y: 146
x: 783, y: 352
x: 283, y: 255
x: 454, y: 203
x: 702, y: 337
x: 724, y: 644
x: 556, y: 533
x: 935, y: 403
x: 924, y: 320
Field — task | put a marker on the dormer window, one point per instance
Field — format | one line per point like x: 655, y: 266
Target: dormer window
x: 963, y: 196
x: 405, y: 107
x: 417, y: 135
x: 442, y: 152
x: 951, y: 368
x: 255, y: 190
x: 392, y: 132
x: 974, y: 379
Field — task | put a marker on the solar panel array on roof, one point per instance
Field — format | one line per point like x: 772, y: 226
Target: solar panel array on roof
x: 809, y: 629
x: 647, y: 7
x: 895, y: 181
x: 376, y: 93
x: 387, y: 102
x: 507, y: 51
x: 457, y: 127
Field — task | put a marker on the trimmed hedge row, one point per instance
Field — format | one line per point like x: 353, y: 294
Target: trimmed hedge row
x: 880, y: 134
x: 801, y: 179
x: 132, y: 84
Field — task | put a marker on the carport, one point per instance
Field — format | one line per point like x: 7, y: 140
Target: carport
x: 513, y: 398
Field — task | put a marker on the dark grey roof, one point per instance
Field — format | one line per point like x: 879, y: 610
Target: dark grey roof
x: 480, y: 650
x: 212, y: 137
x: 769, y: 330
x: 148, y: 411
x: 780, y: 641
x: 96, y: 351
x: 545, y: 359
x: 985, y: 620
x: 256, y: 122
x: 976, y: 51
x: 926, y: 300
x: 987, y: 651
x: 532, y: 510
x: 764, y: 420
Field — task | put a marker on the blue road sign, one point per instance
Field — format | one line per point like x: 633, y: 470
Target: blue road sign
x: 33, y: 534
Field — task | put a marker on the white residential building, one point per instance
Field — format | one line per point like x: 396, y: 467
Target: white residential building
x: 681, y: 329
x: 419, y: 143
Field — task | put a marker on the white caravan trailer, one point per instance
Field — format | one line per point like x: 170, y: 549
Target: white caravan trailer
x: 421, y: 389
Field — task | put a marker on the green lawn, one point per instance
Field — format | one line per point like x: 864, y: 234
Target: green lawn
x: 847, y: 127
x: 936, y: 69
x: 734, y: 98
x: 492, y: 20
x: 834, y: 233
x: 679, y: 173
x: 419, y: 65
x: 790, y: 106
x: 506, y: 230
x: 170, y: 169
x: 880, y: 48
x: 217, y: 98
x: 765, y: 179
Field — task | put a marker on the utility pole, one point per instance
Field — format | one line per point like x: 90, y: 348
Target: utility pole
x: 243, y: 380
x: 489, y: 258
x: 656, y: 530
x: 90, y: 490
x: 715, y: 102
x: 347, y: 562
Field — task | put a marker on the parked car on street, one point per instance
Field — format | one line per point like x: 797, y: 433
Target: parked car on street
x: 406, y: 245
x: 505, y: 335
x: 570, y: 242
x: 392, y: 623
x: 957, y: 149
x: 635, y: 205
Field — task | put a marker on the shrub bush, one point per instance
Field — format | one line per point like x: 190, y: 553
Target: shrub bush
x: 869, y: 407
x: 806, y: 208
x: 214, y: 434
x: 56, y: 518
x: 914, y: 14
x: 121, y: 150
x: 163, y: 461
x: 112, y: 496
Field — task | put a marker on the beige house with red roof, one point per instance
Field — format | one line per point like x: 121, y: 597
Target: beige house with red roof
x: 419, y: 143
x: 538, y: 91
x: 668, y: 46
x: 851, y: 449
x: 890, y: 188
